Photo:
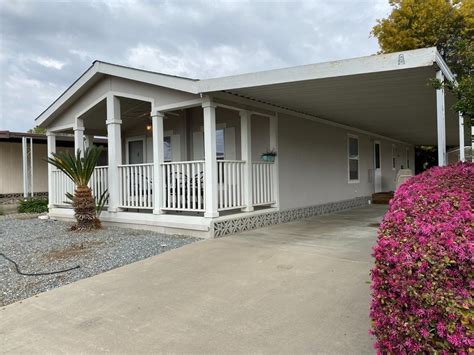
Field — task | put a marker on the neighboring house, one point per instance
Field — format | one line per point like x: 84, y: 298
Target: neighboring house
x: 184, y: 155
x: 22, y: 153
x: 12, y: 154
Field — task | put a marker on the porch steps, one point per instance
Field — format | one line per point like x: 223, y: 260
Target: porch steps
x: 382, y: 198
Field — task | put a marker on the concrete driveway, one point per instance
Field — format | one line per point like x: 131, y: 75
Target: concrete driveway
x: 301, y: 287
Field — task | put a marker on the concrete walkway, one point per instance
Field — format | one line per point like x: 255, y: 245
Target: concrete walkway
x: 301, y: 287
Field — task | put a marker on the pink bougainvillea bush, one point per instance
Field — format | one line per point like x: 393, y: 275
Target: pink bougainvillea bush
x: 422, y: 281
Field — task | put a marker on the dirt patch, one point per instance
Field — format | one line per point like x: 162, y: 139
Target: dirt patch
x: 80, y: 248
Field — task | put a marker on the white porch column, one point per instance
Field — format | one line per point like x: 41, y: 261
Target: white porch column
x: 88, y: 141
x: 51, y: 142
x: 441, y: 124
x: 274, y: 145
x: 114, y: 141
x: 209, y: 111
x: 78, y: 135
x: 462, y: 156
x: 158, y: 159
x: 246, y: 153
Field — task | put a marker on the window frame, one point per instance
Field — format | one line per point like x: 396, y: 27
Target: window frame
x: 349, y: 180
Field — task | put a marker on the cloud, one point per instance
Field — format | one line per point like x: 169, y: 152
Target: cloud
x: 46, y: 45
x: 50, y: 63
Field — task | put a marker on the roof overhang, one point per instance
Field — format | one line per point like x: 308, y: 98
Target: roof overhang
x: 388, y: 95
x: 100, y: 69
x: 385, y: 94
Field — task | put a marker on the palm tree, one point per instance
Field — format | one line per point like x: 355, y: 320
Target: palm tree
x: 79, y: 168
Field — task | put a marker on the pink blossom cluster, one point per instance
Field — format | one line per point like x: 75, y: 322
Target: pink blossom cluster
x: 422, y: 281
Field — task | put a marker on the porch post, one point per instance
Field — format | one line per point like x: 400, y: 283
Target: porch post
x: 462, y: 156
x: 274, y: 145
x: 114, y: 142
x: 246, y: 153
x: 88, y: 141
x: 51, y: 143
x: 441, y: 125
x: 158, y: 159
x: 209, y: 111
x: 78, y: 135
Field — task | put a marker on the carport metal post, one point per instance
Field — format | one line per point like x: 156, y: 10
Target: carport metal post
x: 441, y: 120
x: 51, y: 142
x: 462, y: 156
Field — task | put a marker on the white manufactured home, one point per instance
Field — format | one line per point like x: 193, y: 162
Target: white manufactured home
x: 189, y: 156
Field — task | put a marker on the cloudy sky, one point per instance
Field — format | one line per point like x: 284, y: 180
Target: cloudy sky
x: 46, y: 45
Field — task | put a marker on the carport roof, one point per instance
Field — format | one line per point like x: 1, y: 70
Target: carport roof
x: 385, y: 94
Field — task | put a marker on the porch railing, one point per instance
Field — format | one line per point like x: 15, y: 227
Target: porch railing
x: 230, y: 179
x: 63, y: 184
x: 136, y: 186
x: 99, y: 181
x: 183, y: 186
x: 262, y: 181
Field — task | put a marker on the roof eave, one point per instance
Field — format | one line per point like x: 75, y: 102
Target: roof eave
x: 363, y: 65
x: 102, y: 68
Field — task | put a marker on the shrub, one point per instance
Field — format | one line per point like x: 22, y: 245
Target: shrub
x: 422, y: 281
x: 33, y: 205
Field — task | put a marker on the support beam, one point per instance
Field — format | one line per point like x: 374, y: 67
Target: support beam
x: 246, y: 153
x: 441, y: 121
x: 209, y: 111
x: 114, y: 140
x: 26, y: 180
x: 51, y: 141
x: 274, y: 146
x: 462, y: 156
x: 158, y: 159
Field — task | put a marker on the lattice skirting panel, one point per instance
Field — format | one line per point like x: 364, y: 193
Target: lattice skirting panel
x: 241, y: 224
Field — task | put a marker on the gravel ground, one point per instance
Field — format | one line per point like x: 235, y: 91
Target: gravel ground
x: 47, y: 245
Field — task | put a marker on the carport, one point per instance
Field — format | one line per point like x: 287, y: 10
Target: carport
x: 390, y: 95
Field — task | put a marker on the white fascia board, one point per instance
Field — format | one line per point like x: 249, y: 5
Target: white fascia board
x: 443, y: 66
x: 167, y: 81
x: 364, y: 65
x: 67, y: 94
x: 171, y: 82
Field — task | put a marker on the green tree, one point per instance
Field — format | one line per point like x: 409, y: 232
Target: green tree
x: 79, y: 169
x: 448, y: 25
x: 37, y: 130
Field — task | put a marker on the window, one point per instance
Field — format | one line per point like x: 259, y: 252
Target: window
x: 167, y: 148
x: 353, y: 157
x: 408, y: 158
x: 394, y: 157
x: 220, y: 144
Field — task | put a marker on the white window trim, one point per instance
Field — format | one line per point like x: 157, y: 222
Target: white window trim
x: 349, y: 135
x: 394, y: 157
x: 380, y: 154
x: 134, y: 139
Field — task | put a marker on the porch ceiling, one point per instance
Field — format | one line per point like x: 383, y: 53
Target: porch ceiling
x: 133, y: 112
x: 398, y: 104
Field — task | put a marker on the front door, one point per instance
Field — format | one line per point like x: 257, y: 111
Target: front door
x: 135, y: 152
x: 377, y: 167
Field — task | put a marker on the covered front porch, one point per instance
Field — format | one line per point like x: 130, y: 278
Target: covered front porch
x: 198, y: 158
